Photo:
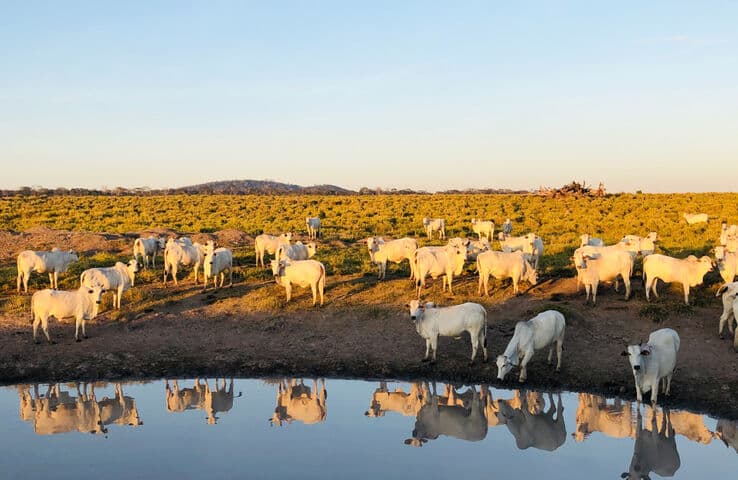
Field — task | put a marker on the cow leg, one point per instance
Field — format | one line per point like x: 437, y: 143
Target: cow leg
x: 559, y: 351
x: 524, y: 368
x: 475, y: 347
x: 76, y: 328
x: 36, y: 323
x: 84, y: 324
x: 434, y: 346
x: 483, y: 341
x: 667, y: 382
x: 594, y: 286
x: 655, y: 292
x: 427, y: 349
x: 639, y: 394
x: 51, y: 281
x: 288, y: 290
x: 314, y: 288
x: 626, y: 281
x: 686, y: 293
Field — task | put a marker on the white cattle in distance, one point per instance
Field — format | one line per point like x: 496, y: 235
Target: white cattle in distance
x: 544, y: 330
x: 729, y: 294
x: 693, y: 218
x: 531, y: 245
x: 296, y: 251
x: 431, y: 322
x: 602, y: 265
x: 727, y: 263
x: 504, y: 265
x: 269, y: 244
x: 435, y: 225
x: 475, y: 247
x: 654, y: 450
x: 381, y: 251
x: 728, y: 234
x: 654, y: 362
x: 182, y: 252
x: 483, y: 228
x: 587, y: 240
x: 313, y: 227
x: 148, y: 248
x: 53, y: 262
x: 534, y: 429
x: 434, y: 420
x: 303, y: 273
x: 216, y: 262
x: 507, y: 227
x: 116, y: 279
x: 689, y: 272
x: 444, y: 261
x: 81, y: 304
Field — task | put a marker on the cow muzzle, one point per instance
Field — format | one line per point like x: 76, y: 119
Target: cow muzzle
x: 637, y: 368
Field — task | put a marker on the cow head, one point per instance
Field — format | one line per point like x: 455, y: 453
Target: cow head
x: 161, y: 242
x: 416, y: 310
x: 278, y: 267
x: 95, y: 293
x: 133, y: 266
x: 530, y: 273
x: 636, y: 356
x: 504, y: 365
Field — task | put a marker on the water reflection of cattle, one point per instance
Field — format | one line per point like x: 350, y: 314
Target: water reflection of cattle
x: 594, y: 414
x: 296, y: 401
x: 687, y: 424
x: 455, y: 421
x: 538, y: 430
x: 654, y: 451
x: 535, y: 403
x: 201, y: 397
x: 406, y: 404
x: 59, y: 412
x: 726, y: 431
x: 120, y: 410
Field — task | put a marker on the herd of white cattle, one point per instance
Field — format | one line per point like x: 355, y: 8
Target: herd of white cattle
x: 518, y: 259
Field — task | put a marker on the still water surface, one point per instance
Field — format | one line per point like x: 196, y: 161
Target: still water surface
x: 222, y: 428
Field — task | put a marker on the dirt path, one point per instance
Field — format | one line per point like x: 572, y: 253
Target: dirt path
x: 364, y: 331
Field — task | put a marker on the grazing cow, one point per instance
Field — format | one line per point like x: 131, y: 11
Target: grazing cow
x: 120, y: 410
x: 396, y: 251
x: 269, y: 244
x: 148, y: 247
x: 604, y: 265
x: 727, y: 263
x: 729, y: 293
x: 296, y: 251
x: 298, y: 402
x: 475, y: 247
x: 693, y: 218
x: 484, y: 229
x: 53, y: 262
x: 313, y: 227
x: 537, y: 430
x: 434, y: 420
x: 117, y: 279
x: 303, y: 273
x: 406, y: 404
x: 727, y: 431
x: 689, y: 272
x: 654, y: 450
x: 594, y: 414
x: 216, y: 262
x: 431, y: 322
x: 82, y: 304
x: 438, y: 262
x: 653, y: 362
x: 507, y: 227
x: 183, y: 253
x: 544, y: 330
x: 435, y: 225
x: 587, y: 240
x: 504, y: 265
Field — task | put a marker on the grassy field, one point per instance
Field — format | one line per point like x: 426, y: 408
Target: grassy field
x: 347, y: 219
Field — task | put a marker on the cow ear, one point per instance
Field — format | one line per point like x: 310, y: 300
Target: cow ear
x: 645, y: 352
x: 624, y: 353
x: 407, y: 305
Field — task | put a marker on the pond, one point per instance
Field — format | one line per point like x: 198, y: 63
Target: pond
x: 287, y: 428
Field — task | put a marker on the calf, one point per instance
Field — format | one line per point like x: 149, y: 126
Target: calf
x: 304, y: 273
x: 53, y: 262
x: 269, y: 244
x: 431, y: 322
x: 503, y: 265
x: 440, y: 261
x: 689, y: 272
x: 483, y: 228
x: 117, y: 279
x: 435, y: 225
x: 296, y: 251
x: 654, y: 361
x: 82, y: 304
x: 313, y: 227
x: 216, y: 262
x: 602, y: 266
x: 395, y: 251
x: 148, y: 247
x: 179, y: 252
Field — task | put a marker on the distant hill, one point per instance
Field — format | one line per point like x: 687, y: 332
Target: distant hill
x: 268, y: 187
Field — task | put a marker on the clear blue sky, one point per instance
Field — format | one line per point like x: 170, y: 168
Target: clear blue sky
x: 424, y: 95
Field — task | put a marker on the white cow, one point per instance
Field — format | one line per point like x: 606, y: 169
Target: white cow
x: 654, y: 361
x: 82, y: 304
x: 504, y: 265
x: 148, y: 247
x: 727, y: 234
x: 643, y: 245
x: 296, y: 251
x: 605, y: 265
x: 727, y: 263
x: 179, y: 253
x: 729, y: 293
x: 268, y: 244
x: 431, y: 322
x: 216, y: 262
x: 531, y: 244
x: 446, y: 262
x: 693, y: 218
x: 689, y: 272
x: 435, y: 225
x: 544, y: 330
x: 117, y: 279
x: 313, y: 227
x: 53, y: 262
x: 586, y: 240
x: 303, y: 273
x: 475, y: 247
x: 393, y: 250
x: 483, y: 228
x: 507, y: 227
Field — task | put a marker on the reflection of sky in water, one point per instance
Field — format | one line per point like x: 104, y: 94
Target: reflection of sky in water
x: 348, y: 444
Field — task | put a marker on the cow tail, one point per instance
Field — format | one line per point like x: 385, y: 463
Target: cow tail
x: 32, y: 310
x: 485, y: 327
x: 721, y: 290
x: 322, y: 276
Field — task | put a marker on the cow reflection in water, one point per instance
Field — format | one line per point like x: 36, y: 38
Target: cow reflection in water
x: 654, y: 451
x: 534, y: 402
x: 458, y: 415
x: 201, y: 397
x: 296, y: 401
x: 59, y: 412
x: 532, y: 426
x: 406, y: 404
x: 726, y: 431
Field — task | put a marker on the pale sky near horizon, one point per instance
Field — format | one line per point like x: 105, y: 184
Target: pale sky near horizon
x: 393, y: 94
